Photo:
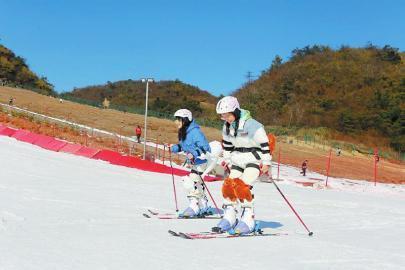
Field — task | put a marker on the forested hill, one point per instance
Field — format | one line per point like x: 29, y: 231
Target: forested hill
x: 15, y: 72
x: 164, y: 96
x: 351, y: 90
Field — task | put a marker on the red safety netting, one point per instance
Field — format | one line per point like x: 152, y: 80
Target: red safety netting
x: 20, y: 134
x: 115, y: 158
x: 29, y: 137
x: 55, y: 145
x: 87, y: 152
x: 108, y: 155
x: 146, y: 165
x: 154, y: 167
x: 128, y: 161
x: 43, y: 140
x: 7, y: 131
x: 70, y: 148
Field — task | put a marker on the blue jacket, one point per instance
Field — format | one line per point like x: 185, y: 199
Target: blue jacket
x: 195, y: 143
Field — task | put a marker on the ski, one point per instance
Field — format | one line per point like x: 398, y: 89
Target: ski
x: 174, y: 216
x: 216, y: 232
x: 173, y: 233
x: 156, y: 213
x: 180, y: 217
x: 214, y: 235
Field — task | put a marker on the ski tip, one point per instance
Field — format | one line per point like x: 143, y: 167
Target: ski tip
x: 173, y: 233
x: 152, y: 212
x: 146, y: 215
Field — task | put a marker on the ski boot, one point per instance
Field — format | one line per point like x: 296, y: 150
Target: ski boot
x: 192, y: 210
x: 247, y: 223
x: 228, y: 221
x: 205, y: 210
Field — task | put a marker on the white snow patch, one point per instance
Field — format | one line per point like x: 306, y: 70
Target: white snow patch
x: 60, y: 211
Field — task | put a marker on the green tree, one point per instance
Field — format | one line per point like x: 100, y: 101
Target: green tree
x: 276, y: 63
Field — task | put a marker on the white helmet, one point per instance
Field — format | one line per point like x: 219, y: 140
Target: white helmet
x: 227, y: 104
x: 184, y: 113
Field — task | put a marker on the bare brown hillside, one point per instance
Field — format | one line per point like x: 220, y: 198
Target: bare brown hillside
x: 347, y: 165
x: 111, y: 120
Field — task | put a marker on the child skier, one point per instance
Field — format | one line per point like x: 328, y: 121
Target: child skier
x: 193, y: 142
x: 246, y: 147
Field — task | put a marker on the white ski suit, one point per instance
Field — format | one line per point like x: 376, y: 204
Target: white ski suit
x: 245, y: 149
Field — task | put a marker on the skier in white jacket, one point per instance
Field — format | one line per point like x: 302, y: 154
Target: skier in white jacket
x: 246, y: 154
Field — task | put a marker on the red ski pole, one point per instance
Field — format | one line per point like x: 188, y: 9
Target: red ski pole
x: 209, y: 193
x: 292, y: 208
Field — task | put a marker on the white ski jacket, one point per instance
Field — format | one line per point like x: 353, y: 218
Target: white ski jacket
x: 250, y: 145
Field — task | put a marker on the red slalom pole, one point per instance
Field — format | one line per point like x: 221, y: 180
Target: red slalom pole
x: 174, y: 185
x: 328, y: 166
x: 292, y: 208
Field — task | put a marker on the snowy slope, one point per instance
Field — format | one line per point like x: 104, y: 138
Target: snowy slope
x: 59, y: 211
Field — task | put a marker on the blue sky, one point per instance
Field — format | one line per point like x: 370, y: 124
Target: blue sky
x: 208, y: 43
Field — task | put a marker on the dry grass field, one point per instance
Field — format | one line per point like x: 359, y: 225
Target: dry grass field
x: 347, y: 165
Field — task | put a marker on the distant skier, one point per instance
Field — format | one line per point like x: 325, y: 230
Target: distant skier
x: 246, y: 147
x: 138, y: 133
x: 304, y: 167
x: 194, y: 144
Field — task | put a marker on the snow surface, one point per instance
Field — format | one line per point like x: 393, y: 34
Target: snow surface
x: 60, y: 211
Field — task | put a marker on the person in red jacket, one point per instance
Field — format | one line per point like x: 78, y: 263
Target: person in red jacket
x: 304, y: 167
x: 138, y: 132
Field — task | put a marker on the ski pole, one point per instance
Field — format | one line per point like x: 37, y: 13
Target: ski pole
x: 209, y: 193
x: 212, y: 161
x: 292, y: 208
x: 174, y: 185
